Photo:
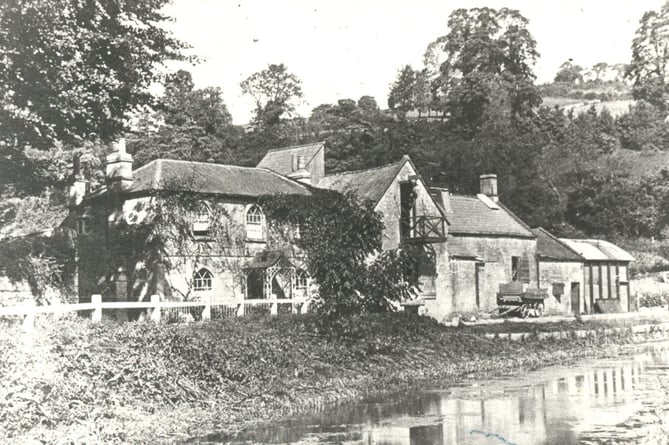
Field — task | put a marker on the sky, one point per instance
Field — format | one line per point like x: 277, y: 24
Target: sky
x: 350, y: 48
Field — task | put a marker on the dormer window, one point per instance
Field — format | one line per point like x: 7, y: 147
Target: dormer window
x: 255, y: 223
x: 202, y: 221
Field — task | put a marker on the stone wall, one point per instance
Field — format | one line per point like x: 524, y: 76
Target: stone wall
x: 389, y: 206
x: 556, y: 274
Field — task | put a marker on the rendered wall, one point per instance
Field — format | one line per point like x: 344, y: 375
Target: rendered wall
x: 565, y: 273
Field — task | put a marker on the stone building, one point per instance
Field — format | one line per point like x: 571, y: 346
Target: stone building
x: 470, y: 246
x: 488, y: 246
x: 228, y: 254
x: 583, y: 276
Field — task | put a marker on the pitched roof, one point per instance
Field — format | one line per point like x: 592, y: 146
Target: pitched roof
x: 203, y: 177
x: 366, y: 184
x: 469, y: 215
x: 268, y: 258
x: 280, y: 160
x: 597, y: 250
x: 549, y: 247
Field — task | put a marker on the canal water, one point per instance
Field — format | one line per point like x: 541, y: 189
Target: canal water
x: 625, y: 400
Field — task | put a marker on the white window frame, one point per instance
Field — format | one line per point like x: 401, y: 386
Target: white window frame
x: 201, y: 221
x: 301, y: 280
x: 203, y: 280
x: 255, y: 221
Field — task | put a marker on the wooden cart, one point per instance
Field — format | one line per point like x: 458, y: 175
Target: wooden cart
x: 513, y: 300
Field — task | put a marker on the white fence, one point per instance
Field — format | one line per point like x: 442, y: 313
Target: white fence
x: 156, y: 309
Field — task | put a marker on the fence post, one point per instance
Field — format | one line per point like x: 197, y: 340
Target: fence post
x: 240, y: 309
x: 206, y: 312
x: 155, y: 312
x: 274, y: 309
x: 96, y: 316
x: 29, y: 320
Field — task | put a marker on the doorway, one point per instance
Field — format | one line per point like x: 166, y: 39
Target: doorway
x: 576, y: 298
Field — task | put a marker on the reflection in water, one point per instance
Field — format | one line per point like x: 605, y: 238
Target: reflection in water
x: 554, y: 408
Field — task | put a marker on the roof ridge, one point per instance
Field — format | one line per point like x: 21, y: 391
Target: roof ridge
x: 558, y: 240
x: 287, y: 147
x: 181, y: 161
x: 353, y: 172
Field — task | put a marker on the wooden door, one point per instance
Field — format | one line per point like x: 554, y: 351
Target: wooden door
x: 478, y: 276
x: 576, y: 298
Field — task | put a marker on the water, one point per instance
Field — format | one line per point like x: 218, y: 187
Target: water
x: 608, y: 401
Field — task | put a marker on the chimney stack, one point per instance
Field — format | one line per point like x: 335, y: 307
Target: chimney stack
x: 301, y: 174
x: 488, y: 184
x: 443, y: 197
x: 119, y: 168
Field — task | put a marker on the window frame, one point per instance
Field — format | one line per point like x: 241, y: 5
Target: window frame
x: 256, y: 212
x: 301, y: 276
x: 201, y: 216
x: 203, y: 275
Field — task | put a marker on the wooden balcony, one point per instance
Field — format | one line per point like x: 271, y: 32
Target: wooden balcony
x: 427, y: 229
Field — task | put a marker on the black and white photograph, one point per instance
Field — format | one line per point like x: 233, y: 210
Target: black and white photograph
x: 430, y: 222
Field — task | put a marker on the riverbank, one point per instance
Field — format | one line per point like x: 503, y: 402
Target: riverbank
x: 73, y: 382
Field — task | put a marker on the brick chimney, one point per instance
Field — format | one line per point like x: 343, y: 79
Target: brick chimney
x: 119, y: 168
x: 488, y: 185
x: 300, y: 172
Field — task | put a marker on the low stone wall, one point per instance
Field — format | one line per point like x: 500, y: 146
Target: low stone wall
x: 643, y: 332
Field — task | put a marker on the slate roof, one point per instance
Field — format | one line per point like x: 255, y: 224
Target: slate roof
x: 203, y: 177
x: 597, y: 250
x: 280, y: 160
x: 469, y: 215
x: 551, y: 248
x: 366, y: 184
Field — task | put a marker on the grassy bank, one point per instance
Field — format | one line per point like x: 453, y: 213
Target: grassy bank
x: 72, y: 381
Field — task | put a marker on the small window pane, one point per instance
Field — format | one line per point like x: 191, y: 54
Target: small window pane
x: 202, y: 280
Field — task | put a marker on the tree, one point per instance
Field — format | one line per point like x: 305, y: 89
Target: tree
x: 402, y: 97
x: 73, y: 71
x: 274, y: 91
x: 190, y: 124
x: 650, y: 58
x: 569, y: 73
x: 599, y: 69
x: 486, y: 53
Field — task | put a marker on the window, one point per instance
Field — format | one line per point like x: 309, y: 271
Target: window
x: 515, y: 262
x: 83, y: 227
x: 520, y: 269
x: 255, y: 223
x: 202, y: 280
x: 622, y: 274
x: 202, y: 221
x: 301, y: 280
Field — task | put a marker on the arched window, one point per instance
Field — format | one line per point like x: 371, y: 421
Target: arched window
x: 255, y: 223
x: 301, y: 278
x: 202, y: 280
x: 202, y: 220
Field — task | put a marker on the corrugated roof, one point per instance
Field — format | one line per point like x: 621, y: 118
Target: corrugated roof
x: 203, y: 177
x: 471, y: 216
x: 597, y: 250
x: 268, y: 258
x: 549, y: 247
x: 366, y: 184
x: 280, y: 160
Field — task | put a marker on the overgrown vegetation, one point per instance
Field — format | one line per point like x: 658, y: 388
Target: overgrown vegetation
x: 341, y: 239
x: 140, y: 382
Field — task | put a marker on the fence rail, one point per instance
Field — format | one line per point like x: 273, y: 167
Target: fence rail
x: 155, y: 308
